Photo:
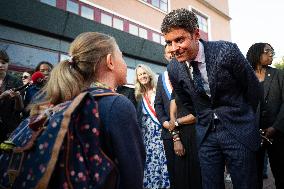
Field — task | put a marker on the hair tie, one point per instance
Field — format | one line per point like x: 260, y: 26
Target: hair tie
x: 71, y: 62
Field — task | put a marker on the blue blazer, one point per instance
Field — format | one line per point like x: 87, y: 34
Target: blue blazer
x: 234, y: 88
x: 162, y: 107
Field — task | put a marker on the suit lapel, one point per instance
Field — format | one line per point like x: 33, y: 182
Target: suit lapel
x: 210, y: 68
x: 267, y: 81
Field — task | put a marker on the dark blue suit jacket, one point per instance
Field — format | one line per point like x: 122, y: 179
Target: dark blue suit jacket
x: 162, y: 107
x: 234, y: 89
x: 273, y: 110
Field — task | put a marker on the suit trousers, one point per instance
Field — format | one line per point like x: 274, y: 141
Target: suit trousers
x: 220, y: 146
x: 276, y: 159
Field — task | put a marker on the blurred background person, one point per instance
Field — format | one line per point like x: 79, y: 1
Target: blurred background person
x: 10, y: 100
x: 271, y: 110
x: 155, y: 172
x: 37, y: 82
x: 45, y: 68
x: 26, y: 78
x: 34, y: 93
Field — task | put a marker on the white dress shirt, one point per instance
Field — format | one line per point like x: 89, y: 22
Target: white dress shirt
x: 200, y: 57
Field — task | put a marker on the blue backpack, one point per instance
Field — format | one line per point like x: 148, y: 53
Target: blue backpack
x: 60, y: 148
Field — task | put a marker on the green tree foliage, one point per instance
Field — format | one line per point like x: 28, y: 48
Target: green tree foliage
x: 280, y: 64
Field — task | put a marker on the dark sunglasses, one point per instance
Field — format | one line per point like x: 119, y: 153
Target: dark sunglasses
x: 25, y: 77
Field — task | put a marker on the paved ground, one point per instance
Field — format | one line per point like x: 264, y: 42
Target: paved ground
x: 267, y: 183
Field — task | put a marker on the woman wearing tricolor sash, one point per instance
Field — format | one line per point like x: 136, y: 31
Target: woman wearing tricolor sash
x: 155, y: 173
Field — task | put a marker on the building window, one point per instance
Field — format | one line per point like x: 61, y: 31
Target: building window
x: 72, y: 7
x: 106, y: 19
x: 27, y: 57
x: 156, y: 37
x: 160, y: 4
x: 87, y: 12
x: 109, y: 19
x: 49, y: 2
x: 63, y: 56
x: 202, y: 21
x: 164, y: 5
x: 130, y: 75
x: 118, y: 23
x: 133, y: 29
x: 163, y: 40
x: 203, y: 24
x: 155, y: 3
x: 143, y: 33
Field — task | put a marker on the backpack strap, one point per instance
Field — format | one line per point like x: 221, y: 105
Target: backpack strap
x: 44, y: 181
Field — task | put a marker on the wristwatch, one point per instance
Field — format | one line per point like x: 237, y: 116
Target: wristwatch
x: 176, y: 123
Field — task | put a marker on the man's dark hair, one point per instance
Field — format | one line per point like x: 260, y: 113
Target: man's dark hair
x: 254, y: 53
x: 4, y: 56
x: 41, y: 63
x: 180, y: 18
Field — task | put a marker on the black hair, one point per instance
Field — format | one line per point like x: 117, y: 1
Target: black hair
x: 41, y: 63
x: 180, y: 18
x: 4, y: 56
x: 254, y: 53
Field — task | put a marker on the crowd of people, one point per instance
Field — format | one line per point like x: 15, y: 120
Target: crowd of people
x: 213, y: 109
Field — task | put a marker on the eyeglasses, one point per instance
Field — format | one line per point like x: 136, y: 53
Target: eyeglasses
x: 25, y: 77
x: 267, y: 51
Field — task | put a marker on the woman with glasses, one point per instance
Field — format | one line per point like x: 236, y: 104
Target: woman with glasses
x: 271, y: 111
x: 26, y: 78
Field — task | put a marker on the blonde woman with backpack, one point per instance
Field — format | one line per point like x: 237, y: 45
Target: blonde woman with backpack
x: 89, y: 139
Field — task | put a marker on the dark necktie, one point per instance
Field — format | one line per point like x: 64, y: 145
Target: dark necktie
x: 196, y: 76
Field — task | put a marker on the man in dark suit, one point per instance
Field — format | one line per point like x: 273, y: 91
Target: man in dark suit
x: 224, y: 90
x: 162, y: 108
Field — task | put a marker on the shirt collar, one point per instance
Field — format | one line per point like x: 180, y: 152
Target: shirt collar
x: 200, y: 57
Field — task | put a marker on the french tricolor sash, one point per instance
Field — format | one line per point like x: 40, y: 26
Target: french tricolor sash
x: 167, y: 84
x: 148, y: 109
